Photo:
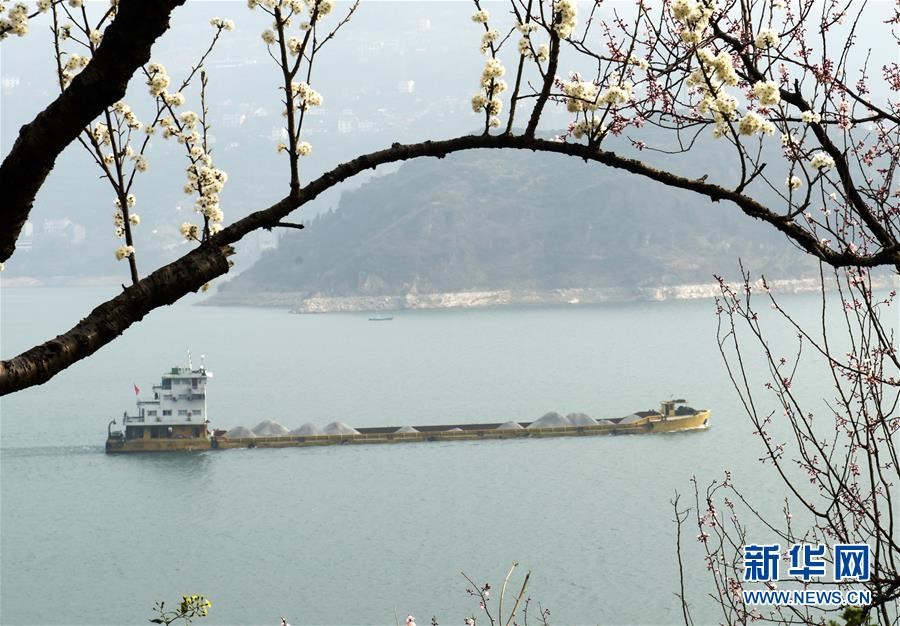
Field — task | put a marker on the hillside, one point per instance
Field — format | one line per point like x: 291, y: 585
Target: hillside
x: 514, y: 221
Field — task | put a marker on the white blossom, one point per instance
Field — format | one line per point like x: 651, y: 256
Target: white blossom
x: 158, y: 79
x: 582, y: 95
x: 218, y: 22
x: 810, y: 117
x: 488, y: 38
x: 174, y: 99
x: 767, y: 92
x: 767, y: 38
x: 123, y: 252
x: 322, y: 7
x: 752, y: 123
x: 821, y: 161
x: 190, y: 231
x: 481, y: 17
x: 188, y: 118
x: 493, y: 68
x: 100, y: 133
x: 565, y: 17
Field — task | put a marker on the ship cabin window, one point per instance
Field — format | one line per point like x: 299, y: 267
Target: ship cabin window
x: 197, y: 431
x: 150, y: 413
x: 167, y: 411
x: 195, y: 382
x: 166, y: 383
x: 134, y: 432
x: 155, y: 395
x: 182, y: 412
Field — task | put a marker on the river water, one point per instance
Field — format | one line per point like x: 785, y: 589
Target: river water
x: 367, y: 534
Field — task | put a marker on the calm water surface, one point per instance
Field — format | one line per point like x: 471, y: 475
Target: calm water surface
x: 357, y: 535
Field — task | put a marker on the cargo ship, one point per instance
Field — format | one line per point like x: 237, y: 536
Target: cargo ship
x: 175, y: 419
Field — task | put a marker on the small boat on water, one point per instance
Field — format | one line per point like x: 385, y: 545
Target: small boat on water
x: 175, y: 419
x: 381, y: 318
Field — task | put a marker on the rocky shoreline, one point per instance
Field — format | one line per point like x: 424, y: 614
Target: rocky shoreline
x: 304, y: 303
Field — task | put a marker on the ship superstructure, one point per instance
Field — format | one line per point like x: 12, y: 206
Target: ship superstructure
x: 175, y: 417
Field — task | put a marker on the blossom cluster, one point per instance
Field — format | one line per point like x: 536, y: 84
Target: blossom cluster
x: 208, y: 182
x: 582, y: 95
x: 565, y: 17
x: 194, y: 606
x: 127, y: 115
x: 810, y: 117
x: 295, y: 6
x: 717, y: 71
x: 489, y: 38
x: 694, y: 16
x: 766, y: 38
x: 305, y: 96
x: 767, y: 92
x: 752, y: 123
x: 584, y: 99
x: 124, y: 252
x: 16, y: 21
x: 821, y: 161
x: 487, y: 99
x: 157, y: 79
x: 223, y: 24
x: 481, y: 17
x: 74, y: 64
x: 526, y: 49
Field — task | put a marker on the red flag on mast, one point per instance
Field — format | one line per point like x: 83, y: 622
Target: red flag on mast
x: 137, y: 390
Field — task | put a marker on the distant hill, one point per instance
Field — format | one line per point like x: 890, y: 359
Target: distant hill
x: 486, y: 220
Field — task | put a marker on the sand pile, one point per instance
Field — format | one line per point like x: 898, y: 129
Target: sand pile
x: 550, y: 420
x: 406, y: 429
x: 268, y: 428
x: 307, y: 429
x: 239, y: 432
x: 510, y: 426
x: 630, y: 419
x: 339, y: 428
x: 581, y: 419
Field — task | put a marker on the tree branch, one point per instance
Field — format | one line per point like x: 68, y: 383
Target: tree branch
x: 112, y: 318
x: 198, y: 267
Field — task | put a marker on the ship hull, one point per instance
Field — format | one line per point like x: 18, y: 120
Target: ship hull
x: 452, y: 432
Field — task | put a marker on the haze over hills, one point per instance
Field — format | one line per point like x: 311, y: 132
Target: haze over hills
x: 519, y: 222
